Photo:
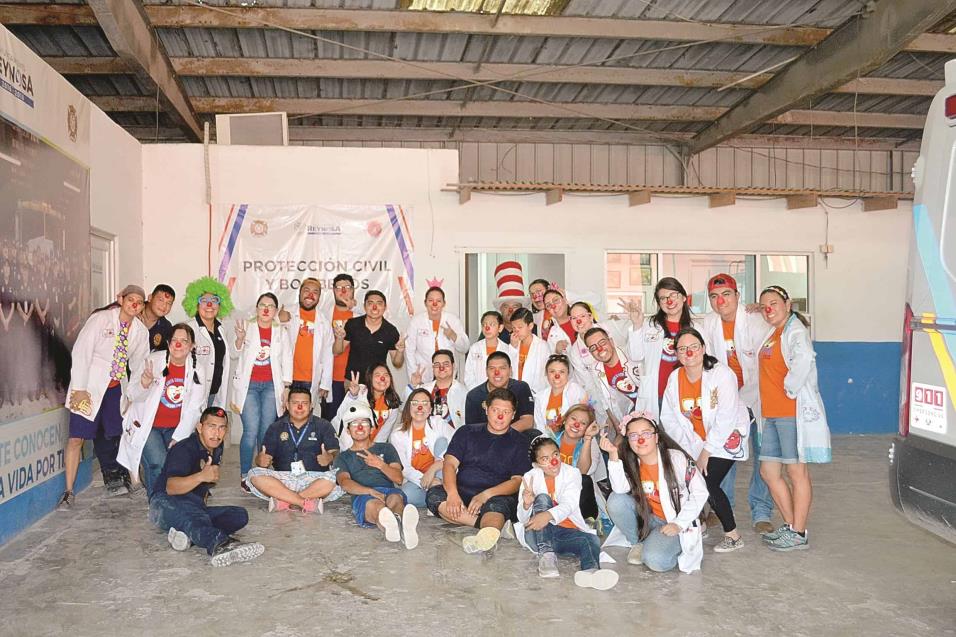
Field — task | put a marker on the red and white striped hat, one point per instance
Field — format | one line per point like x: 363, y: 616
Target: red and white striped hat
x: 509, y: 277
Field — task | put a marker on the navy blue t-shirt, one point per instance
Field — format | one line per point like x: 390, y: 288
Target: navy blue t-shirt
x: 281, y: 438
x: 486, y: 460
x: 475, y: 402
x: 184, y: 459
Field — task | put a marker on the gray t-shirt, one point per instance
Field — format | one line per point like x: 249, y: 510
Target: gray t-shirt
x: 365, y: 475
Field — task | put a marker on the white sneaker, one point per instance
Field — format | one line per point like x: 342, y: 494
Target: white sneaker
x: 483, y: 541
x: 410, y: 526
x: 548, y: 565
x: 508, y: 530
x: 390, y: 523
x: 601, y: 579
x: 177, y: 539
x: 635, y: 554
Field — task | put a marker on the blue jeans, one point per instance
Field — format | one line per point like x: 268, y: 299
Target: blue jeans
x: 207, y: 527
x: 154, y: 456
x: 660, y: 551
x: 758, y: 495
x: 258, y: 412
x: 414, y: 493
x: 562, y: 540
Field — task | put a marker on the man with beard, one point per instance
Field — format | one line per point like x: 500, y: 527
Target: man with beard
x: 343, y: 289
x: 312, y: 353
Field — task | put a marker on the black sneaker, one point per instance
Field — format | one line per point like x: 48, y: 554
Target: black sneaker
x: 232, y: 551
x: 115, y: 486
x: 66, y: 501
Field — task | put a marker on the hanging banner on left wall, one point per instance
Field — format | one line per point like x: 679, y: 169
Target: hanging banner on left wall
x: 44, y: 260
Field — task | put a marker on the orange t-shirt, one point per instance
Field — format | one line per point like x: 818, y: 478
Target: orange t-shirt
x: 552, y: 413
x: 490, y: 349
x: 689, y: 394
x: 567, y: 449
x: 732, y: 361
x: 549, y: 482
x: 522, y: 356
x: 302, y: 358
x: 381, y: 411
x: 650, y: 487
x: 422, y: 457
x: 339, y: 317
x: 774, y: 402
x: 435, y: 327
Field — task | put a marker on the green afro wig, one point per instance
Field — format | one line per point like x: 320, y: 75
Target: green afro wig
x: 207, y: 285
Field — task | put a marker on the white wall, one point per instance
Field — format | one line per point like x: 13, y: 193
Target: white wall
x: 866, y: 270
x: 116, y: 194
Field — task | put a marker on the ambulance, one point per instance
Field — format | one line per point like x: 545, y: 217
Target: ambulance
x: 923, y: 455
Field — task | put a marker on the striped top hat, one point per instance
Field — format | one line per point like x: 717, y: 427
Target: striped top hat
x: 509, y: 276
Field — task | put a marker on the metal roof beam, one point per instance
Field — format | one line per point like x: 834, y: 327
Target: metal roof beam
x: 854, y: 49
x: 127, y: 28
x: 532, y: 110
x: 178, y: 16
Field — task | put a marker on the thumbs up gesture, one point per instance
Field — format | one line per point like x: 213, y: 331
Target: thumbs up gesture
x: 400, y: 345
x: 263, y: 459
x: 210, y: 471
x: 325, y: 458
x: 284, y: 316
x: 147, y: 378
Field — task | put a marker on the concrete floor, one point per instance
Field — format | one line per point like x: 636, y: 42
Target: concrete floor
x: 103, y: 570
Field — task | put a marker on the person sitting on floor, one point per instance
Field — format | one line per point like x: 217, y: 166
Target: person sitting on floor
x: 481, y: 474
x: 371, y: 473
x: 300, y: 448
x: 178, y: 505
x: 550, y: 520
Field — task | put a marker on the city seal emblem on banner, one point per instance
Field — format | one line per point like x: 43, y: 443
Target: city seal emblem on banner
x: 259, y: 228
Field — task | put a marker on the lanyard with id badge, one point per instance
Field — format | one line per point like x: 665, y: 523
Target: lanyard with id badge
x: 298, y: 466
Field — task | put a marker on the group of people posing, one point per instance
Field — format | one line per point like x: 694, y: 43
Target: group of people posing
x: 552, y: 428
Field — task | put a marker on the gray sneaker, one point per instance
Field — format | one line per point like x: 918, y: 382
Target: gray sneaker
x: 728, y: 545
x: 781, y: 530
x: 66, y: 501
x: 635, y: 554
x: 790, y: 541
x: 115, y: 487
x: 548, y: 565
x: 177, y: 539
x: 232, y: 551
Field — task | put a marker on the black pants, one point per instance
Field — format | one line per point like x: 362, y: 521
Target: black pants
x: 589, y: 507
x: 717, y: 469
x: 106, y: 450
x: 338, y: 395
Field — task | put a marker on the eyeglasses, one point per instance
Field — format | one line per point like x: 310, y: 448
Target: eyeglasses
x: 420, y: 403
x: 673, y: 296
x: 343, y: 288
x: 505, y: 411
x: 210, y: 300
x: 552, y: 305
x: 266, y: 306
x: 693, y: 347
x: 181, y: 341
x: 601, y: 344
x: 441, y: 365
x: 641, y: 436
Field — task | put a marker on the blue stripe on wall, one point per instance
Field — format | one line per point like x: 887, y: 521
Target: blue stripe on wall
x: 870, y: 404
x: 25, y: 509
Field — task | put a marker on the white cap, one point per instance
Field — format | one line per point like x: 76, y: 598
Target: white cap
x: 357, y: 411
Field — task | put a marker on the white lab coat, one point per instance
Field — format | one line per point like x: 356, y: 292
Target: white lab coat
x: 322, y: 340
x: 750, y: 330
x: 573, y: 394
x: 813, y: 433
x: 645, y: 344
x: 457, y: 394
x: 420, y: 341
x: 345, y: 440
x: 206, y: 359
x: 477, y: 360
x: 533, y: 372
x: 280, y: 359
x: 143, y: 403
x: 692, y: 494
x: 567, y: 496
x: 435, y: 429
x: 725, y: 416
x: 557, y: 335
x: 93, y: 356
x: 608, y: 398
x: 597, y: 470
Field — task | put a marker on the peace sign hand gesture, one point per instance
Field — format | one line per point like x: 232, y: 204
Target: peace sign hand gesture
x: 634, y: 311
x: 416, y: 377
x: 240, y: 333
x: 147, y: 378
x: 527, y: 496
x: 353, y: 384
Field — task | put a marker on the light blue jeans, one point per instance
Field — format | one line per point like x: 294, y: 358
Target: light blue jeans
x: 414, y: 493
x: 758, y: 495
x: 660, y: 551
x: 154, y: 456
x: 258, y: 412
